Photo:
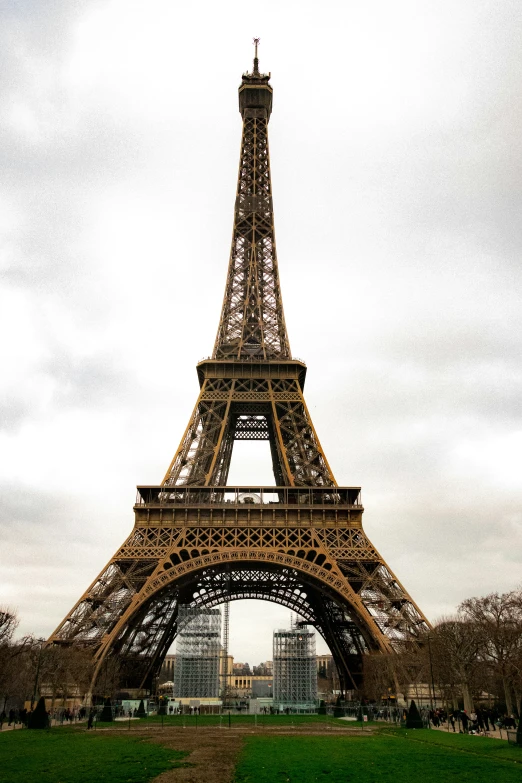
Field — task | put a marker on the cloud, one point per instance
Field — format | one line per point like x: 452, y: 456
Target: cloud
x: 396, y: 169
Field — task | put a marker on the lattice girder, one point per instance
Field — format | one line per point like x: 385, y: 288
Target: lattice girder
x: 220, y: 417
x: 299, y: 543
x: 252, y: 319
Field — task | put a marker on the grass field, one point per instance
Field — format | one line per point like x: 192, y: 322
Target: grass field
x: 301, y: 722
x: 242, y: 720
x: 66, y: 755
x: 238, y: 720
x: 386, y: 757
x: 306, y: 750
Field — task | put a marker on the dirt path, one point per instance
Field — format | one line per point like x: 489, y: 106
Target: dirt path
x: 213, y: 752
x: 212, y: 758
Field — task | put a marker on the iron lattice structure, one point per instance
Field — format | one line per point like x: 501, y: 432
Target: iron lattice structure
x: 198, y: 650
x: 199, y: 542
x: 295, y: 669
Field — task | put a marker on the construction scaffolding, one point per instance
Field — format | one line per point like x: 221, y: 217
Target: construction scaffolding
x: 225, y: 673
x: 198, y: 646
x: 295, y: 669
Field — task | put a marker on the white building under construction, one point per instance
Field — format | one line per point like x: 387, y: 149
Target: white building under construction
x: 198, y: 649
x: 295, y: 670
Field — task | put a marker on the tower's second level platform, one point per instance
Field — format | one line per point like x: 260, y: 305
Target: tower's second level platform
x: 252, y: 368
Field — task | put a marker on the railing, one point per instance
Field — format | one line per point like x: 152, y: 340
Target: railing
x: 253, y: 496
x: 254, y: 358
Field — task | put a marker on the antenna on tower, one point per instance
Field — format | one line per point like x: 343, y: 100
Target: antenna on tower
x: 256, y: 59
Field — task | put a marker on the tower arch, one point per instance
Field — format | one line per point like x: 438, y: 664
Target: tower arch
x: 145, y: 632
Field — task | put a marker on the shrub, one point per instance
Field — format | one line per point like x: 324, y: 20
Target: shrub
x: 106, y: 713
x: 413, y: 719
x: 38, y: 718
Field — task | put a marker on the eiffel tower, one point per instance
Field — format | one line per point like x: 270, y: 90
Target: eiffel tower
x: 200, y: 542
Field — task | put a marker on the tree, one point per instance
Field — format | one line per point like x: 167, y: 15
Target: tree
x: 15, y: 661
x: 109, y: 677
x: 64, y: 672
x: 455, y: 649
x: 517, y: 677
x: 410, y: 666
x: 497, y: 619
x: 8, y: 625
x: 379, y: 674
x: 519, y: 730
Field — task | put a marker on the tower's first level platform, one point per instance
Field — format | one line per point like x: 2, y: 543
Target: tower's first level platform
x: 249, y: 505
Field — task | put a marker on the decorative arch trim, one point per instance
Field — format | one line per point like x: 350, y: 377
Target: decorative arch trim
x: 167, y: 573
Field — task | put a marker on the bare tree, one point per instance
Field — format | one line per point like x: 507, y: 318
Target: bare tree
x: 497, y: 619
x: 8, y: 625
x: 109, y: 677
x: 379, y: 675
x: 15, y: 668
x: 65, y: 672
x: 455, y: 646
x: 410, y: 668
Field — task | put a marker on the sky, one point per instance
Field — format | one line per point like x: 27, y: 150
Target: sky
x: 396, y: 165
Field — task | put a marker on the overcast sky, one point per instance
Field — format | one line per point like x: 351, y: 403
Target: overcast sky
x: 396, y: 164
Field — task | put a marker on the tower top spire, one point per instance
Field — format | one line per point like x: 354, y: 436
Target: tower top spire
x: 256, y: 77
x: 256, y: 59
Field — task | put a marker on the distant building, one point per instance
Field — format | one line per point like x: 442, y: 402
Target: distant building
x: 262, y: 686
x: 327, y: 677
x: 265, y: 668
x: 241, y: 668
x: 167, y: 669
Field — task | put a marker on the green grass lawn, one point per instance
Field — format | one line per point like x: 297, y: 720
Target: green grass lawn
x: 66, y: 755
x: 237, y: 720
x: 422, y: 756
x: 73, y: 755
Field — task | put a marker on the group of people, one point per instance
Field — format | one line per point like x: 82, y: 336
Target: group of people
x: 477, y: 721
x: 59, y: 715
x: 13, y: 717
